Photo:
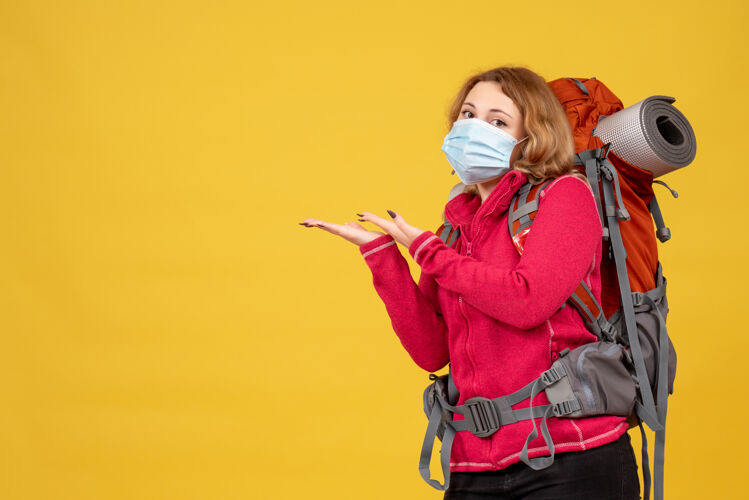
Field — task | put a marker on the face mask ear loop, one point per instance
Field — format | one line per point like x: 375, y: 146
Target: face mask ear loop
x: 521, y: 155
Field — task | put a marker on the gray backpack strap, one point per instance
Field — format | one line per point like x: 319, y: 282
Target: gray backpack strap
x: 661, y: 397
x: 662, y: 232
x: 435, y: 418
x: 483, y: 417
x: 520, y: 206
x: 447, y: 233
x: 592, y: 312
x: 654, y: 418
x: 446, y: 228
x: 620, y: 257
x: 618, y: 209
x: 569, y: 405
x: 673, y: 193
x: 589, y: 158
x: 580, y: 85
x: 513, y: 214
x: 538, y: 463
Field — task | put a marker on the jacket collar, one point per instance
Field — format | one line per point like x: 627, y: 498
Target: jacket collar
x: 463, y: 208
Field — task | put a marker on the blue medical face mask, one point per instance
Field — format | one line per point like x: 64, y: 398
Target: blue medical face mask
x: 477, y: 150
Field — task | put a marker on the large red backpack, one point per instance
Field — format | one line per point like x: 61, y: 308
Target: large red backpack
x: 633, y: 294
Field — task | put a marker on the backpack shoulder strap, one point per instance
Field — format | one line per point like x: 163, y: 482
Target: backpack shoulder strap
x: 448, y: 233
x: 522, y: 211
x: 646, y: 410
x: 524, y: 206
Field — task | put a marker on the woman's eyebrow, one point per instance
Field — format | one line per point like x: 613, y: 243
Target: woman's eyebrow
x: 497, y: 110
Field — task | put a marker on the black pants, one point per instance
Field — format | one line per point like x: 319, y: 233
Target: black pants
x: 608, y: 472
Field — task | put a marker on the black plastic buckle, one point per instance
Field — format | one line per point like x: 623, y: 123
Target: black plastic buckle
x: 481, y: 416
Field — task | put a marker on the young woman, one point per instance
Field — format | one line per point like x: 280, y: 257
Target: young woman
x: 497, y: 316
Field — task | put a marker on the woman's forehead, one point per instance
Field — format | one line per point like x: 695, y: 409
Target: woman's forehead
x: 489, y: 95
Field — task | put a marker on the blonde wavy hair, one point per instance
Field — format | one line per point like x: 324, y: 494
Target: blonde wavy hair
x: 549, y: 150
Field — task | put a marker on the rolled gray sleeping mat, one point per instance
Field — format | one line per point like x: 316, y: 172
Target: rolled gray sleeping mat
x: 651, y: 134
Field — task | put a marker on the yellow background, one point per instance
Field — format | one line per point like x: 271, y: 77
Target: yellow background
x: 168, y: 329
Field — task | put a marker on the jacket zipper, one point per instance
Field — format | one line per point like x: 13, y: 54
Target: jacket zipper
x: 468, y: 329
x: 460, y: 298
x: 462, y: 306
x: 478, y: 227
x: 469, y: 355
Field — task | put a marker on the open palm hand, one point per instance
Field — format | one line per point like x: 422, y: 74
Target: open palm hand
x: 398, y: 228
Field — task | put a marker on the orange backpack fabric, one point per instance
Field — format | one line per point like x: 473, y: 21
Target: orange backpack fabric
x: 583, y: 112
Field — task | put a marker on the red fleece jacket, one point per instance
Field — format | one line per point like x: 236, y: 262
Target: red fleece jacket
x: 497, y: 316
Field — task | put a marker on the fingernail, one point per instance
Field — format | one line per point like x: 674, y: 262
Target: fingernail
x: 360, y: 215
x: 362, y: 220
x: 392, y: 214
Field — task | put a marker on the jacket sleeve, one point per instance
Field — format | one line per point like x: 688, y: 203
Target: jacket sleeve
x: 558, y: 253
x: 412, y: 308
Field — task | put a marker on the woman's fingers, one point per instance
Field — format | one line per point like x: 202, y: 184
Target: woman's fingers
x: 410, y: 232
x: 350, y: 231
x: 397, y: 227
x: 388, y: 225
x: 339, y: 229
x: 313, y: 223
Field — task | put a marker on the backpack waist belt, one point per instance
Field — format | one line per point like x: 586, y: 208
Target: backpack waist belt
x: 483, y: 417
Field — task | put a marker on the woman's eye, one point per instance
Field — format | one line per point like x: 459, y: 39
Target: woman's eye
x: 499, y: 122
x: 466, y: 111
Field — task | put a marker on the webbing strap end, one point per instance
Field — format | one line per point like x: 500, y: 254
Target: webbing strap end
x: 663, y: 234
